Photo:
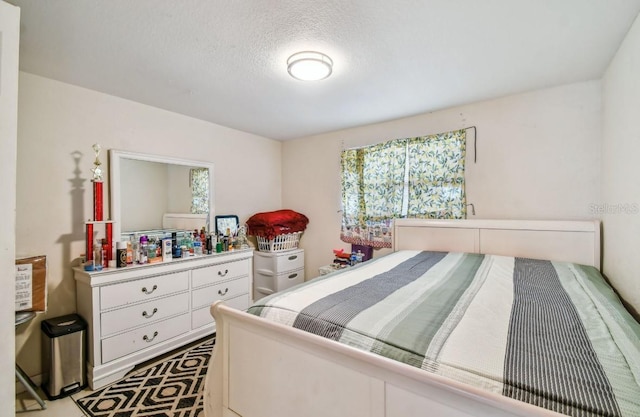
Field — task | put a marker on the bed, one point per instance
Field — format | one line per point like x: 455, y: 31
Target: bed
x: 465, y: 318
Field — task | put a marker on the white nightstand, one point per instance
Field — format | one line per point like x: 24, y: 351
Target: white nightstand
x: 276, y: 271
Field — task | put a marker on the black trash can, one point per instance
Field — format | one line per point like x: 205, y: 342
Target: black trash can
x: 63, y: 356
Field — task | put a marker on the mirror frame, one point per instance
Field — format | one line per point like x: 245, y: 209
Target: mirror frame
x: 115, y: 156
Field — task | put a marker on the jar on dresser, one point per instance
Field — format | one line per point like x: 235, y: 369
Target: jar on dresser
x: 139, y: 312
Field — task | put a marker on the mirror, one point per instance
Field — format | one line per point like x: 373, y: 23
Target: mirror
x: 151, y: 192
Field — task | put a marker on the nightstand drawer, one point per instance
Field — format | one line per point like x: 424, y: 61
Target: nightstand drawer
x: 278, y: 262
x: 267, y: 284
x: 289, y: 279
x: 290, y: 261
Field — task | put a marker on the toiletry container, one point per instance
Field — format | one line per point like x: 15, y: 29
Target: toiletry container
x: 167, y: 249
x: 121, y: 254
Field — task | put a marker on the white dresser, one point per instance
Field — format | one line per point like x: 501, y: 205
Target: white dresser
x: 276, y: 271
x: 139, y: 312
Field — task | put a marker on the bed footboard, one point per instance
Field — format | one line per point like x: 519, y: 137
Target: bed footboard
x: 263, y: 369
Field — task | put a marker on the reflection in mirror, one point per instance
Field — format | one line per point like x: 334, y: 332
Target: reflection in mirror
x: 145, y: 188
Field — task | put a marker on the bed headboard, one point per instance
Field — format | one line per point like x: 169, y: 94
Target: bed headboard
x: 556, y: 240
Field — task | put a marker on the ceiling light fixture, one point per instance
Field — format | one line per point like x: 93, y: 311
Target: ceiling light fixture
x: 309, y: 66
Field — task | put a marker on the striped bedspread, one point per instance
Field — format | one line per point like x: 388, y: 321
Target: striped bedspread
x: 551, y: 334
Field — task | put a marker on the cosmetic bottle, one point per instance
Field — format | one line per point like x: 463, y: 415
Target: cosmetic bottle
x: 167, y: 249
x: 129, y: 252
x: 152, y: 251
x: 97, y: 256
x: 135, y: 247
x: 174, y: 244
x: 121, y: 254
x: 197, y: 247
x: 203, y: 240
x: 105, y: 257
x: 209, y: 244
x: 143, y: 250
x: 190, y: 244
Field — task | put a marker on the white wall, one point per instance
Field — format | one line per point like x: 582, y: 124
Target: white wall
x: 57, y: 125
x: 9, y: 35
x: 621, y: 169
x: 538, y: 158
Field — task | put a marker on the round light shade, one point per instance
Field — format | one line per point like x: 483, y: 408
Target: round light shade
x: 309, y: 66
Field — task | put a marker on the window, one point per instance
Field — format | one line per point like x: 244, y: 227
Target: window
x: 419, y: 177
x: 199, y: 179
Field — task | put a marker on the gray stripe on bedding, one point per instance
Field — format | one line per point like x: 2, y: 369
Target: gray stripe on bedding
x: 549, y: 360
x: 328, y: 316
x: 413, y: 335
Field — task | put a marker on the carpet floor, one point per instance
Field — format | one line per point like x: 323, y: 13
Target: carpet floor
x: 172, y: 388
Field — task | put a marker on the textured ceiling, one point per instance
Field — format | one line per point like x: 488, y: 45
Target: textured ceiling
x: 225, y: 61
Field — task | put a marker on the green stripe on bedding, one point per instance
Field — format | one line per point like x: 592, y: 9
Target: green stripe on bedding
x: 329, y: 315
x: 413, y: 335
x: 603, y: 320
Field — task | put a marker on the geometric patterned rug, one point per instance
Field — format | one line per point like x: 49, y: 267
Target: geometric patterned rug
x: 172, y: 388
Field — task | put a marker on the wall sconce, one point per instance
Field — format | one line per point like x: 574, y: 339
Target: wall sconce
x: 309, y: 66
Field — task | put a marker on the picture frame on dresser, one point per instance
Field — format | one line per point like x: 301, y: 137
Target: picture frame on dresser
x: 224, y: 222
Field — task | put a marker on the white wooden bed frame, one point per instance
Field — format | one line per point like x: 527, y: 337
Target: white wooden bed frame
x: 264, y: 369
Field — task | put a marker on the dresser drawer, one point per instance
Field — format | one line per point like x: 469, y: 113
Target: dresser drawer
x: 290, y: 261
x: 267, y: 284
x: 116, y: 321
x: 143, y: 289
x: 289, y: 279
x: 222, y: 291
x: 126, y: 343
x: 211, y: 274
x: 202, y: 316
x: 277, y: 263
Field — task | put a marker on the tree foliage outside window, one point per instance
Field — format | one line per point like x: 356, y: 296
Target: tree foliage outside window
x: 199, y: 179
x: 421, y: 177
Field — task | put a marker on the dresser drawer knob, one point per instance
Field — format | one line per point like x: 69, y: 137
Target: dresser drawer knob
x: 144, y: 289
x: 292, y: 276
x: 226, y: 290
x: 147, y: 315
x: 222, y: 274
x: 293, y: 257
x: 147, y: 339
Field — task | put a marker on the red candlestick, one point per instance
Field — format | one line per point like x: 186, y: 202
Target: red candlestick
x: 109, y: 233
x: 89, y: 242
x: 97, y: 201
